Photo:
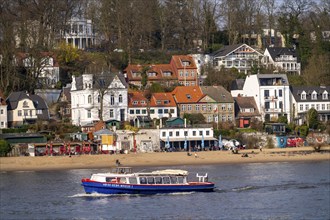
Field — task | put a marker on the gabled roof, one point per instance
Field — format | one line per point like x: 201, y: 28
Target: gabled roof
x: 297, y: 90
x: 14, y: 97
x: 187, y: 94
x: 218, y: 93
x: 137, y: 100
x: 102, y: 80
x: 278, y: 51
x: 226, y: 50
x: 246, y: 102
x: 237, y: 84
x: 38, y: 102
x: 162, y: 100
x: 178, y: 60
x: 159, y: 69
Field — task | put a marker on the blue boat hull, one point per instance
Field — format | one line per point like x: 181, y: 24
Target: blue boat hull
x: 114, y: 188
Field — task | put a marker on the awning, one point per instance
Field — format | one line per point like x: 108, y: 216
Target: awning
x: 174, y: 139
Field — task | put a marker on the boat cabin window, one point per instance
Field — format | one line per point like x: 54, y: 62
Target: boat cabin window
x: 122, y: 180
x: 143, y: 180
x: 151, y: 180
x: 111, y: 179
x: 158, y: 180
x: 174, y: 179
x: 166, y: 180
x: 132, y: 180
x: 180, y: 179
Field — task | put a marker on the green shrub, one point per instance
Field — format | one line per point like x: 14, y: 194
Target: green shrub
x: 269, y: 143
x: 5, y: 148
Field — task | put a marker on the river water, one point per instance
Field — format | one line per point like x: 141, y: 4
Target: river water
x: 299, y: 190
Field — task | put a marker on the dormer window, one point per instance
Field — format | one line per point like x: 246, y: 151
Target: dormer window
x: 135, y: 102
x: 142, y: 102
x: 152, y: 74
x: 185, y: 63
x: 188, y: 96
x: 314, y: 95
x: 303, y: 96
x: 25, y: 104
x: 167, y: 74
x: 159, y: 102
x: 135, y: 74
x: 166, y: 102
x: 325, y: 96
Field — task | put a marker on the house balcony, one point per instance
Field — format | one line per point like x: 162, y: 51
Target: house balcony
x: 273, y: 110
x: 287, y: 59
x: 87, y: 106
x: 270, y: 98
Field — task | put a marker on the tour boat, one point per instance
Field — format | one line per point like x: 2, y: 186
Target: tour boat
x: 123, y: 181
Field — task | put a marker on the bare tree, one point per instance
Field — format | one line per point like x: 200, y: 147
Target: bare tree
x: 269, y: 7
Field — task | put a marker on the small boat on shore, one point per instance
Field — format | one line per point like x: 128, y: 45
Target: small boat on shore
x: 124, y: 181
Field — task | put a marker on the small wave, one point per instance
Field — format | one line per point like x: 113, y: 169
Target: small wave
x: 177, y: 193
x: 92, y: 195
x: 244, y: 188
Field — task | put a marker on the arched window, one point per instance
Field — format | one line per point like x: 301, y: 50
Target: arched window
x: 120, y: 98
x: 89, y: 99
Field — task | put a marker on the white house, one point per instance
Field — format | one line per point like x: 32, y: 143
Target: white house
x: 161, y: 105
x: 306, y: 97
x: 175, y: 138
x: 271, y: 93
x: 282, y: 59
x: 239, y: 56
x: 86, y: 98
x: 80, y: 33
x: 44, y: 66
x: 3, y: 112
x: 24, y: 108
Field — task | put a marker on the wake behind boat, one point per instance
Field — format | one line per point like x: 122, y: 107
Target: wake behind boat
x: 123, y: 181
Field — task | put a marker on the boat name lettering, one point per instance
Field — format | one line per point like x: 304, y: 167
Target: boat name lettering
x: 117, y: 185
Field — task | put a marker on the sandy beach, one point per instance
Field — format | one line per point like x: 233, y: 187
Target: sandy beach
x: 163, y: 159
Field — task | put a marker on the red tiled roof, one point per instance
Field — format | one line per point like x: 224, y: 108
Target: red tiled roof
x: 137, y: 99
x: 178, y: 60
x: 159, y: 69
x: 187, y: 94
x: 162, y: 100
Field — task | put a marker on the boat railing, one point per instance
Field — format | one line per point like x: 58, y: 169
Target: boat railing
x: 202, y: 178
